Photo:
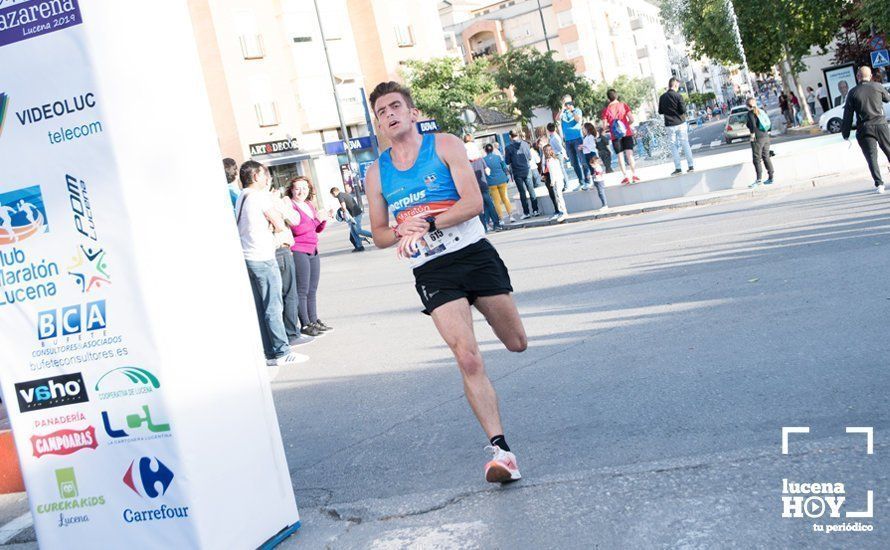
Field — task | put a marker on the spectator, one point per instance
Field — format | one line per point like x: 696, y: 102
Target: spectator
x: 557, y: 181
x: 759, y: 124
x: 545, y: 175
x: 571, y: 119
x: 518, y: 157
x: 497, y: 184
x: 811, y: 100
x: 822, y: 96
x: 588, y: 148
x: 785, y: 107
x: 673, y: 108
x: 619, y: 118
x: 305, y: 253
x: 599, y: 180
x: 872, y: 132
x: 352, y: 213
x: 488, y: 216
x: 255, y: 213
x: 602, y: 148
x: 231, y: 168
x: 497, y: 149
x: 795, y: 108
x: 284, y: 239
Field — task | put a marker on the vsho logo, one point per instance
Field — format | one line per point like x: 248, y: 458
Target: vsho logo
x: 57, y: 391
x: 72, y: 320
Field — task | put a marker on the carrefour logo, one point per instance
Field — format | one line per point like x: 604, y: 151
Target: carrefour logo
x: 148, y: 477
x: 71, y: 320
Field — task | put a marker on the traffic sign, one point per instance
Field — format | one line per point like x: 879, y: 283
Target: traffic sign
x: 877, y: 42
x: 880, y: 58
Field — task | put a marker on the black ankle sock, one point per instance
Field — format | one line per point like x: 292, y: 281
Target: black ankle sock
x: 499, y: 441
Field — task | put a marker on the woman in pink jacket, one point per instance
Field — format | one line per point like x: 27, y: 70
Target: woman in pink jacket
x: 305, y: 251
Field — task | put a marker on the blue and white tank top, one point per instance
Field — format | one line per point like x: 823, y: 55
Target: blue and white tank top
x: 427, y: 189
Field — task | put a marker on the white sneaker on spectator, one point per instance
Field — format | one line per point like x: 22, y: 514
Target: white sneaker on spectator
x: 525, y: 216
x: 289, y: 359
x: 880, y: 189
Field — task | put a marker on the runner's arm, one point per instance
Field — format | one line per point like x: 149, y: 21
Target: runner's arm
x: 381, y: 231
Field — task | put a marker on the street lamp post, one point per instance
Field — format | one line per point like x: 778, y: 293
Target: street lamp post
x: 349, y: 155
x: 543, y: 25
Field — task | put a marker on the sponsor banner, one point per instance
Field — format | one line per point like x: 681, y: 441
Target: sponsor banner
x: 122, y: 414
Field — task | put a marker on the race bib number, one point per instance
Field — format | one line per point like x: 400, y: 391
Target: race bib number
x: 438, y: 241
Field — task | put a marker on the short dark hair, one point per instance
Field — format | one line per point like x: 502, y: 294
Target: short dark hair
x: 249, y: 170
x: 612, y: 94
x: 231, y: 168
x: 390, y: 87
x: 551, y: 127
x: 489, y: 148
x: 672, y: 81
x: 335, y: 191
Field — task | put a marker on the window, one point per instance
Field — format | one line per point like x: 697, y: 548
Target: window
x: 298, y: 39
x: 266, y: 113
x: 572, y: 50
x: 404, y: 36
x: 564, y: 19
x: 252, y: 46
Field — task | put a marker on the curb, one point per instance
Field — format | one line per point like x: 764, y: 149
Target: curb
x: 677, y: 204
x: 11, y: 480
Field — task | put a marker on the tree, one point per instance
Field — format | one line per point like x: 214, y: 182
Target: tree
x: 538, y: 80
x: 772, y: 32
x: 444, y: 87
x: 876, y: 13
x: 633, y: 91
x: 852, y: 42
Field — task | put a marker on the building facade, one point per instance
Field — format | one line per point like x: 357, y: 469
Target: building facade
x: 270, y: 89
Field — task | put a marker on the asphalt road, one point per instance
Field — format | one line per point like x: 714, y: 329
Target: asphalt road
x: 667, y: 351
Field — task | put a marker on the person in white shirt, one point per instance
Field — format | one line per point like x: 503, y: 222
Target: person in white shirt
x: 822, y: 96
x: 557, y: 181
x: 255, y: 212
x: 588, y: 148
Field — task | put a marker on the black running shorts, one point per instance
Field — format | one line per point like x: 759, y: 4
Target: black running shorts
x: 474, y: 271
x: 624, y: 144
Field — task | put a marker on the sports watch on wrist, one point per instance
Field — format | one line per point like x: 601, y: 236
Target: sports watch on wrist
x: 432, y: 223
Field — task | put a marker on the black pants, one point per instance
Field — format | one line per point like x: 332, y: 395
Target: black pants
x: 546, y: 179
x: 824, y: 102
x: 760, y: 152
x: 870, y: 138
x: 288, y: 291
x: 308, y: 273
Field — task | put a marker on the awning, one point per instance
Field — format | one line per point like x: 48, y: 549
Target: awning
x: 284, y: 157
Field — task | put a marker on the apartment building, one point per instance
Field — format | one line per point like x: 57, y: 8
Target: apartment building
x: 270, y: 90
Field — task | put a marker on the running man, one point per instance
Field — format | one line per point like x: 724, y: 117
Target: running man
x: 6, y: 213
x: 429, y: 184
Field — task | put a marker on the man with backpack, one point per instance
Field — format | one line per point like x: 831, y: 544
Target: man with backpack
x: 673, y: 108
x: 618, y: 119
x: 759, y: 123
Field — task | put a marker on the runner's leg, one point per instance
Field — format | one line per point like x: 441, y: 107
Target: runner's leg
x: 501, y: 313
x: 454, y: 320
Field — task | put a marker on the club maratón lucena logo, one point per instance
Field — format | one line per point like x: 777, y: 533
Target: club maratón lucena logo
x: 71, y: 506
x: 826, y: 500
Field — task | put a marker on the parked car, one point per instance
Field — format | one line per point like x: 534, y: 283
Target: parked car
x: 736, y: 127
x: 738, y: 109
x: 831, y: 120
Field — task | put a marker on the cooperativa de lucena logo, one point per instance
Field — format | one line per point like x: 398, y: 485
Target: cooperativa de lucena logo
x: 126, y: 382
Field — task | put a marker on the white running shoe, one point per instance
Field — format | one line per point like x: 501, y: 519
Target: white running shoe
x: 289, y: 359
x: 554, y: 217
x: 880, y: 189
x: 502, y: 467
x: 525, y: 216
x: 561, y: 217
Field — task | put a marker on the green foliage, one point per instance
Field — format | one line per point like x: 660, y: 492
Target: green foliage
x: 700, y: 99
x: 633, y: 91
x: 538, y: 80
x: 876, y: 13
x: 771, y: 31
x: 444, y: 87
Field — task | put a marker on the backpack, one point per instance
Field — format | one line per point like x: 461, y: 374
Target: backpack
x: 763, y: 121
x: 617, y: 129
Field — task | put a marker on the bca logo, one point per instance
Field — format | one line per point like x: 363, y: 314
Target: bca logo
x: 46, y: 393
x: 71, y: 320
x: 147, y: 479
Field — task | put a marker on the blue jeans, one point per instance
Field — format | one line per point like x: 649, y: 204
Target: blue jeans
x: 679, y: 137
x: 265, y: 281
x: 525, y: 183
x: 576, y: 157
x: 355, y: 228
x: 489, y: 212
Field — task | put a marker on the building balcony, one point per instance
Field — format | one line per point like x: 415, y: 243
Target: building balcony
x: 643, y: 52
x: 636, y: 24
